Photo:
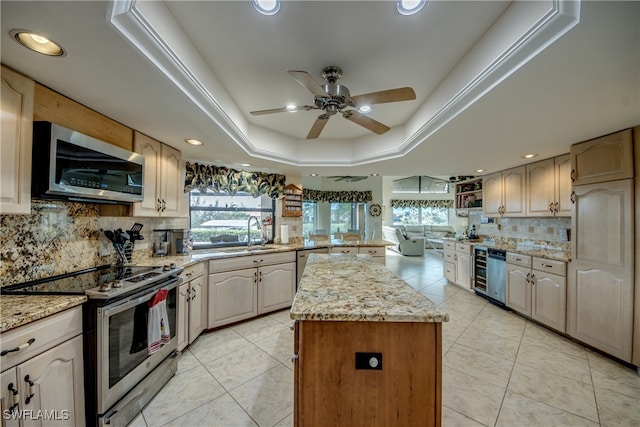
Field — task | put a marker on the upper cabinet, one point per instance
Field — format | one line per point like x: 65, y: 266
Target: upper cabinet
x: 162, y: 181
x: 504, y: 193
x: 607, y: 158
x: 15, y: 143
x: 292, y: 201
x: 469, y: 194
x: 549, y: 187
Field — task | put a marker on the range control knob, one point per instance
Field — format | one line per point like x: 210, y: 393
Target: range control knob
x: 118, y: 283
x: 105, y: 287
x: 165, y: 268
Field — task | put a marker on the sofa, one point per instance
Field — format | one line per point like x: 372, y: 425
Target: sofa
x: 403, y: 244
x: 425, y: 232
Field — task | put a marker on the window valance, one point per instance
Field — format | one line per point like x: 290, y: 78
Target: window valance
x: 309, y: 195
x: 221, y: 179
x: 421, y: 203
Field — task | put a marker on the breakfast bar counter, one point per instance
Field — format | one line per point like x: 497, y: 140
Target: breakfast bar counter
x: 368, y: 347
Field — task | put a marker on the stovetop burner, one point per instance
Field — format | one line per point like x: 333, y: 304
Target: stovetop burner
x: 100, y: 282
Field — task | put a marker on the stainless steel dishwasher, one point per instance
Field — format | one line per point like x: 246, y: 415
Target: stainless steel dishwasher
x: 497, y: 275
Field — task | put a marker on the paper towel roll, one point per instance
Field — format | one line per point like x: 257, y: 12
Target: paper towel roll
x: 284, y: 234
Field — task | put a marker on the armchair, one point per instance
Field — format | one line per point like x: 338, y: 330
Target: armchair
x: 410, y: 247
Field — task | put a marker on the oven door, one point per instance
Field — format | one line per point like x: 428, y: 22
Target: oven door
x: 123, y: 358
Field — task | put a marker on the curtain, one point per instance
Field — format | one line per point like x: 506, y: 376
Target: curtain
x: 336, y: 196
x: 220, y: 179
x: 422, y: 204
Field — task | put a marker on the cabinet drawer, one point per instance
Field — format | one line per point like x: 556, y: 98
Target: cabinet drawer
x: 373, y: 251
x: 193, y: 271
x: 46, y: 333
x: 463, y: 247
x: 549, y: 265
x: 449, y: 245
x: 519, y: 259
x: 449, y: 270
x: 449, y: 256
x: 248, y: 261
x: 344, y: 250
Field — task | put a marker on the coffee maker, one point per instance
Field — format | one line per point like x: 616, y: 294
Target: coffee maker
x: 171, y: 242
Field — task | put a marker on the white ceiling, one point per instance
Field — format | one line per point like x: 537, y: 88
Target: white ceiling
x: 493, y: 80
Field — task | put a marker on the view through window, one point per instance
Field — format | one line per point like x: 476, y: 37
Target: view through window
x: 421, y: 216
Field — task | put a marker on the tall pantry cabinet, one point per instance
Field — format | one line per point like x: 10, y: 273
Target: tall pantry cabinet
x: 600, y: 295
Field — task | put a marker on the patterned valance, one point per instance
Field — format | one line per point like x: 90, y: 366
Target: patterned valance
x: 220, y: 179
x: 336, y: 196
x: 422, y: 204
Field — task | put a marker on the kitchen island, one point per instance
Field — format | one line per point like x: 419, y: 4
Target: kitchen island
x: 367, y: 347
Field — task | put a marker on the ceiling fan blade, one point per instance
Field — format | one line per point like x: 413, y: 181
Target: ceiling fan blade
x: 283, y: 110
x: 318, y: 125
x: 306, y: 80
x: 390, y: 95
x: 364, y: 121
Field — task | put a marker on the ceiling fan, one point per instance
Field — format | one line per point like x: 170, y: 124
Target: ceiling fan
x: 348, y: 178
x: 333, y: 98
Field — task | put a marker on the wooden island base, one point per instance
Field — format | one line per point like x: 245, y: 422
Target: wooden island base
x: 330, y: 391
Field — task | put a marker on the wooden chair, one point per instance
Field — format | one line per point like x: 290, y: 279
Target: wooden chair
x: 351, y: 237
x: 319, y: 237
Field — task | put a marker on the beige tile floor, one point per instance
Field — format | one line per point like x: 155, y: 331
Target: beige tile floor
x: 499, y: 370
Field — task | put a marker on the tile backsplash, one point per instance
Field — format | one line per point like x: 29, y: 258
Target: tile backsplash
x: 59, y: 237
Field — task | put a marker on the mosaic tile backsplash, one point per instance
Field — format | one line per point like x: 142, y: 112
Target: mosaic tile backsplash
x: 60, y: 237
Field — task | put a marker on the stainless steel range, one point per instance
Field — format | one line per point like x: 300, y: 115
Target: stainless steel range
x: 122, y: 370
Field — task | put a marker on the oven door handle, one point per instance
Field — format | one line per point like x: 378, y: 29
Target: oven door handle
x: 111, y: 310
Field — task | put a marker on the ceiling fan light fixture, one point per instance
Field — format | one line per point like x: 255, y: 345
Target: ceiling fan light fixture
x: 365, y: 109
x: 37, y: 43
x: 266, y: 7
x: 409, y: 7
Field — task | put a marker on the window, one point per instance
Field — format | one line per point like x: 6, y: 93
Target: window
x: 421, y: 216
x: 338, y: 217
x: 309, y: 218
x: 222, y: 220
x: 347, y: 217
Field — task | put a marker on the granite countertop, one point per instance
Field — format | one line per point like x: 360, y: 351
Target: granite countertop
x: 357, y: 288
x: 18, y: 310
x: 548, y: 253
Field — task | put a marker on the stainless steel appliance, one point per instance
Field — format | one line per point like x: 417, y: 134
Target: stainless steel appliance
x: 480, y: 270
x: 172, y: 242
x: 497, y: 275
x: 120, y: 374
x: 76, y: 167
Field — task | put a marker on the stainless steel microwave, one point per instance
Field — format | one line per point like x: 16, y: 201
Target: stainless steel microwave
x: 69, y: 165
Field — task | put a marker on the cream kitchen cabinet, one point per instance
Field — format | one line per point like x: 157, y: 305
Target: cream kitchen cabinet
x: 601, y: 274
x: 46, y: 375
x: 504, y: 193
x: 457, y: 263
x: 379, y: 253
x: 15, y: 143
x: 243, y: 287
x: 192, y: 304
x: 549, y: 187
x: 607, y: 158
x: 163, y: 182
x: 536, y: 288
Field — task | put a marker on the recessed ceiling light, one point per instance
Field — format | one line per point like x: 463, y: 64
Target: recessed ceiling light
x: 193, y: 141
x: 246, y: 165
x: 479, y: 170
x: 409, y: 7
x: 529, y: 156
x: 37, y: 42
x: 291, y: 108
x: 313, y: 174
x: 267, y: 7
x: 375, y: 174
x: 365, y: 109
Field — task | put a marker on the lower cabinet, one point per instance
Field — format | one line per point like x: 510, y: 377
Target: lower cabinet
x: 457, y: 263
x: 243, y: 287
x: 303, y: 256
x: 537, y: 288
x: 50, y: 385
x: 192, y: 305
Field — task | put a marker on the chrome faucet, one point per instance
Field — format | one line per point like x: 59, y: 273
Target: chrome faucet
x: 249, y: 241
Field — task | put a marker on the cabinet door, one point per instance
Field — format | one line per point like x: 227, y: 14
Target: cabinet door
x: 232, y: 296
x: 607, y: 158
x: 518, y: 289
x: 492, y: 194
x: 170, y: 182
x: 9, y: 384
x: 463, y: 269
x: 197, y: 307
x: 449, y: 271
x: 514, y: 191
x: 276, y: 286
x: 549, y: 299
x: 541, y: 188
x: 600, y: 284
x: 563, y: 185
x: 58, y: 384
x: 183, y: 316
x: 15, y: 143
x: 151, y: 150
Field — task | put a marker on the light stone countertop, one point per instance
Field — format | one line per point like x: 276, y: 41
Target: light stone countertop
x: 357, y: 288
x: 18, y: 310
